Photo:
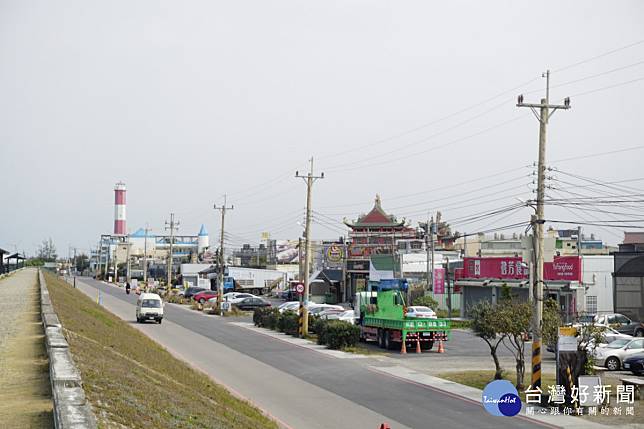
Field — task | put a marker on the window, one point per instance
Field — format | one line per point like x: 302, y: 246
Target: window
x: 637, y: 344
x: 151, y: 303
x: 591, y: 304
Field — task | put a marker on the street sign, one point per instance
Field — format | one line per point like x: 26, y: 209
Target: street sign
x: 299, y: 288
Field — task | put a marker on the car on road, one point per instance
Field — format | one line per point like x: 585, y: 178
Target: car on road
x: 635, y: 364
x: 289, y: 306
x: 191, y: 291
x: 204, y: 296
x: 420, y: 311
x: 149, y: 306
x: 345, y: 316
x: 636, y: 329
x: 612, y: 356
x: 252, y: 303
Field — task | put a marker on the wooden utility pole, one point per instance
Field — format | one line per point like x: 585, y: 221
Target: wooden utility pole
x: 172, y: 225
x: 538, y: 222
x: 309, y: 179
x: 222, y: 259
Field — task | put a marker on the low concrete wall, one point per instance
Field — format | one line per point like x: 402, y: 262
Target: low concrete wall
x: 71, y: 408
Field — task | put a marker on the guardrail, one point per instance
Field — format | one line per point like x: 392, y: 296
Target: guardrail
x: 71, y: 408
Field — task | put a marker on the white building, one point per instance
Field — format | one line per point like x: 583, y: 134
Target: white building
x: 596, y: 297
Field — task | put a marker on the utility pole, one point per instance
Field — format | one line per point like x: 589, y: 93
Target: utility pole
x: 431, y: 239
x: 427, y: 251
x: 449, y: 289
x: 98, y: 265
x: 172, y: 225
x: 222, y: 259
x: 579, y: 241
x: 309, y: 179
x: 545, y: 111
x: 127, y: 265
x: 145, y: 256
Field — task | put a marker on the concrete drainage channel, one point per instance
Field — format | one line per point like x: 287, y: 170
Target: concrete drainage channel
x: 71, y: 409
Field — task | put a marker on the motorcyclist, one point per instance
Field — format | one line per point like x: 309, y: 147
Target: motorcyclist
x: 127, y: 288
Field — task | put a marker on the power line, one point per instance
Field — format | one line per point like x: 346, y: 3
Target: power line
x: 612, y: 51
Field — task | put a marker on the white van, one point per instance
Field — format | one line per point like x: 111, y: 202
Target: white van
x: 149, y: 306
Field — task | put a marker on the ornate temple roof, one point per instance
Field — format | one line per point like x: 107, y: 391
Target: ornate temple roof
x: 376, y: 218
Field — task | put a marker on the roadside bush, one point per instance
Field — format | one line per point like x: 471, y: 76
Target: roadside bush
x: 442, y: 314
x: 339, y: 334
x: 266, y: 317
x: 320, y: 329
x: 427, y: 301
x: 288, y: 323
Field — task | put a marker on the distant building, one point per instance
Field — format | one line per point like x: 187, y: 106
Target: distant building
x: 628, y: 276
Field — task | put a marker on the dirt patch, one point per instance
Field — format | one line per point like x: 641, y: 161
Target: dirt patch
x: 25, y: 397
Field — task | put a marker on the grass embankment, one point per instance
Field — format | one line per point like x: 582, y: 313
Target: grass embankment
x: 133, y: 382
x: 479, y: 379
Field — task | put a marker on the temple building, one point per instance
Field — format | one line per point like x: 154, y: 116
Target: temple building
x: 374, y: 233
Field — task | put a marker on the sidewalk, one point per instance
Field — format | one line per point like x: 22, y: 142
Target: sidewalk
x: 25, y: 396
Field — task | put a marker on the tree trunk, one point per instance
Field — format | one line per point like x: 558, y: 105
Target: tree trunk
x: 498, y: 372
x: 520, y: 363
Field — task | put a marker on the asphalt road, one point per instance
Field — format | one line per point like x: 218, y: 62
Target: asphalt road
x: 351, y: 382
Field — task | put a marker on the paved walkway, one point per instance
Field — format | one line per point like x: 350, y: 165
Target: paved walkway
x: 25, y: 393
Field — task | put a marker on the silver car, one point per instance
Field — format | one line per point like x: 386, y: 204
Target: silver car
x: 612, y: 355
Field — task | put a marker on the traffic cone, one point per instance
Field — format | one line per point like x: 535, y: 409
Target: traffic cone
x: 440, y: 347
x: 418, y: 346
x: 385, y: 426
x: 403, y: 348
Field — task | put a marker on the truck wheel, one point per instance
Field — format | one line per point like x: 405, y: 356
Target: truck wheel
x: 256, y: 292
x: 381, y: 340
x: 389, y: 344
x: 430, y: 345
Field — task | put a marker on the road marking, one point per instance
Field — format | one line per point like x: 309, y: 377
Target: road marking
x: 300, y: 342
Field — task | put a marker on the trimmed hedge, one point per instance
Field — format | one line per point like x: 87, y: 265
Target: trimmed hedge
x: 427, y: 301
x: 288, y: 322
x: 337, y: 334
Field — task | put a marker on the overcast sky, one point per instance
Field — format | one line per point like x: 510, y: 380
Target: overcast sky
x: 185, y: 101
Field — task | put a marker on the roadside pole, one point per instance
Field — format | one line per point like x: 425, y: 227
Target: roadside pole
x: 449, y: 289
x: 172, y: 225
x: 538, y: 222
x: 310, y: 179
x: 145, y: 257
x: 222, y: 259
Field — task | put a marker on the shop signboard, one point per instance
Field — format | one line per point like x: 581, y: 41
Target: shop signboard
x: 562, y: 268
x: 439, y: 280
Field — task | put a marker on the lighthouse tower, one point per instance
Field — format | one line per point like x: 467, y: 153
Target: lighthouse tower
x: 119, y: 209
x: 203, y: 241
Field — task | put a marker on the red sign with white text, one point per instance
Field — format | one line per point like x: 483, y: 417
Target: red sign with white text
x: 563, y: 268
x: 439, y: 280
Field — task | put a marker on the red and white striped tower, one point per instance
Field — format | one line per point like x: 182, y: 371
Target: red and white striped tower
x: 119, y: 209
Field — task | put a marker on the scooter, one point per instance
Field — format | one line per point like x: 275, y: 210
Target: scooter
x: 127, y: 288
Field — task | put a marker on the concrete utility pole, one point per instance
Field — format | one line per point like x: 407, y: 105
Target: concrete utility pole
x: 98, y: 265
x: 172, y: 225
x: 431, y: 239
x: 309, y: 179
x: 222, y: 259
x: 449, y: 289
x: 538, y: 222
x: 427, y: 251
x: 145, y: 256
x: 127, y: 265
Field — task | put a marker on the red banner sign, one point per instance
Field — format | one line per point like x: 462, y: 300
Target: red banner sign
x: 563, y: 268
x: 439, y: 280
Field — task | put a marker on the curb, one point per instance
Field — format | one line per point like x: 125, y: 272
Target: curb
x: 71, y: 408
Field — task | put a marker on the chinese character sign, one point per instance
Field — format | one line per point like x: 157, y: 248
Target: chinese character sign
x: 439, y: 280
x: 563, y: 268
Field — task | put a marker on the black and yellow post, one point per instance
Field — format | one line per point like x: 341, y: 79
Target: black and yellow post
x: 536, y: 363
x: 300, y: 320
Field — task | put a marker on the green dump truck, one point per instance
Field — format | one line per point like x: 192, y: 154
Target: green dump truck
x: 382, y: 317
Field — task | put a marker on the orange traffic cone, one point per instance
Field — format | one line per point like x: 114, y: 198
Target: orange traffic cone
x: 418, y: 346
x: 441, y: 349
x: 403, y: 348
x: 385, y: 426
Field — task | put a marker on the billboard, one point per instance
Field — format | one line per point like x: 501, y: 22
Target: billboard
x: 439, y: 280
x: 562, y: 268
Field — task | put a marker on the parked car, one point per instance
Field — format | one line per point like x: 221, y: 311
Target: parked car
x: 149, y: 306
x: 635, y: 329
x: 316, y: 309
x: 252, y: 303
x: 191, y: 291
x: 330, y: 311
x: 345, y: 316
x: 421, y: 311
x: 614, y: 320
x: 204, y: 296
x: 289, y: 305
x: 612, y: 356
x: 608, y: 336
x: 635, y: 364
x: 235, y: 297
